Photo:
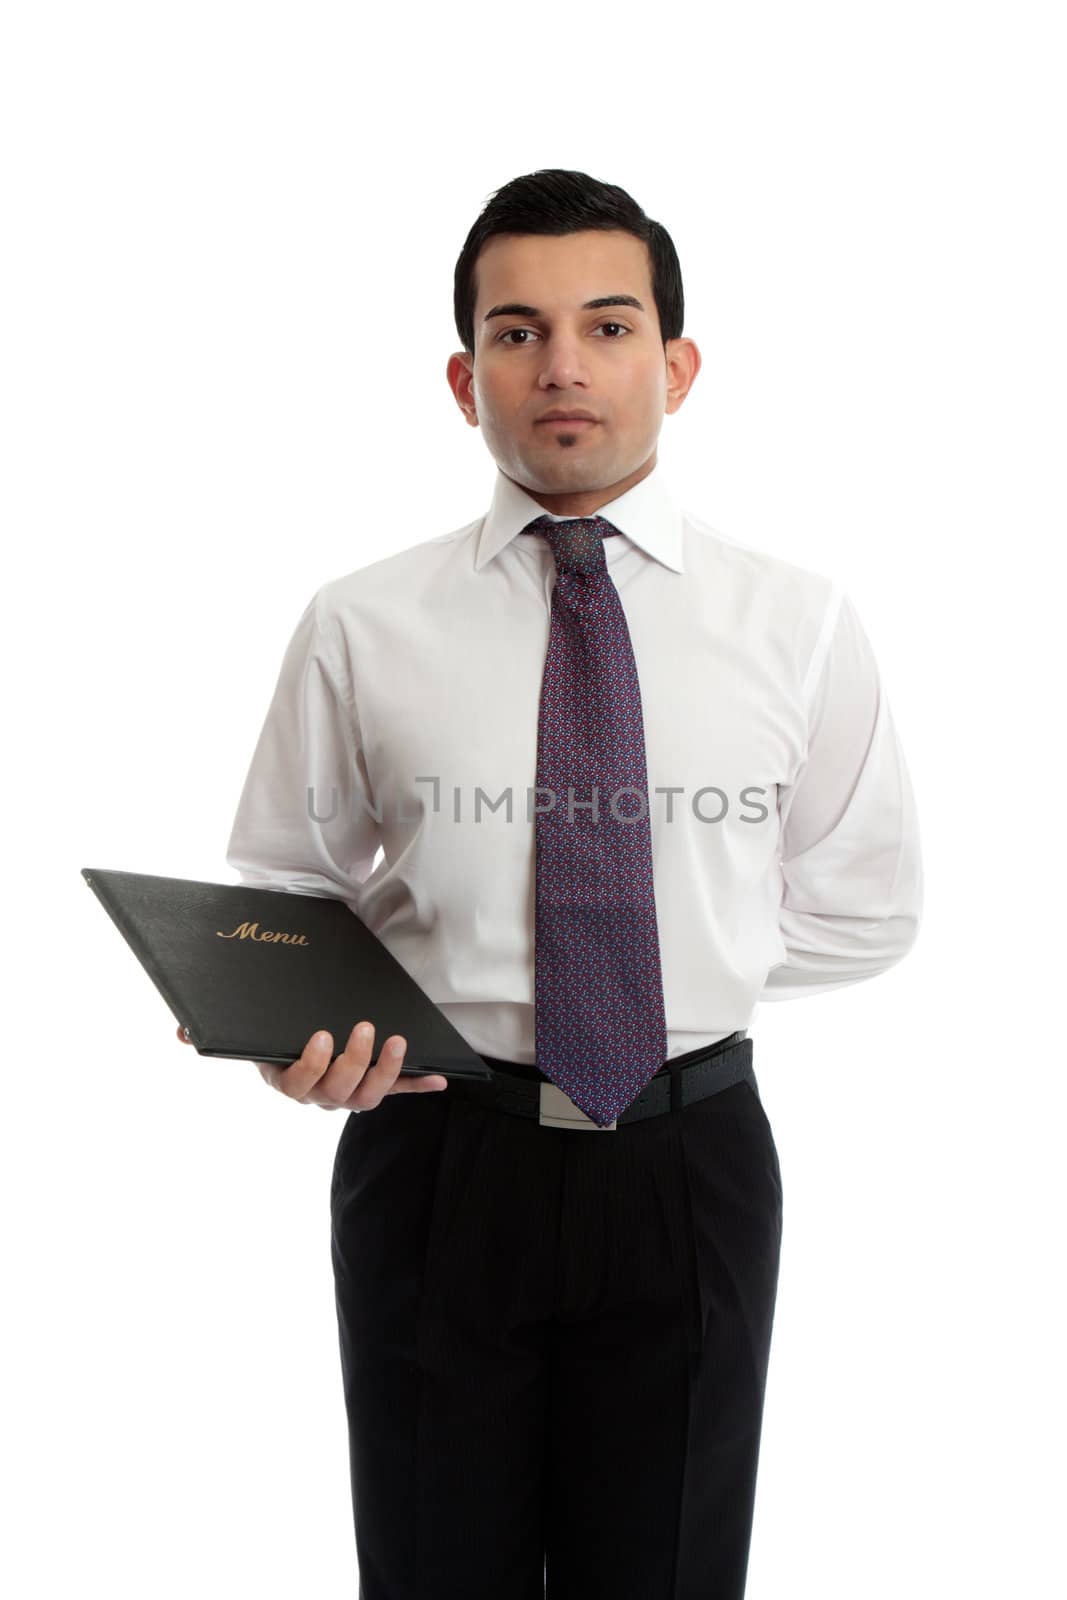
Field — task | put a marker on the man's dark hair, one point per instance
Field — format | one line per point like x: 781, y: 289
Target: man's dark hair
x: 555, y: 201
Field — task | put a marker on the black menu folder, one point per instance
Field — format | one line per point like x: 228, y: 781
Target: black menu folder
x: 252, y: 973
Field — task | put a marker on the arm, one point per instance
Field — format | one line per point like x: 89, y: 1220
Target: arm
x: 850, y: 856
x: 309, y: 742
x: 324, y: 844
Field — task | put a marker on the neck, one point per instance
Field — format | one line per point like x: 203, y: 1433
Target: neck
x: 587, y: 502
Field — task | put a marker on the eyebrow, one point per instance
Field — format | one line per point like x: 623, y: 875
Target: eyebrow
x: 515, y: 310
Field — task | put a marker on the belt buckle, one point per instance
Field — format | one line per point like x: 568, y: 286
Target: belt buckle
x: 558, y: 1110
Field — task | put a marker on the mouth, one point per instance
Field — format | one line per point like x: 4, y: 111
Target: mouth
x: 567, y: 422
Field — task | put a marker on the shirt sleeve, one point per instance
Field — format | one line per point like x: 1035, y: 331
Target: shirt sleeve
x: 850, y: 856
x: 305, y: 821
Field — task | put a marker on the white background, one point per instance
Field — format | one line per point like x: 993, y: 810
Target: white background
x: 227, y: 308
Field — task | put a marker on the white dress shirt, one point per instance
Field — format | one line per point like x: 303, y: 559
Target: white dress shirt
x: 786, y: 857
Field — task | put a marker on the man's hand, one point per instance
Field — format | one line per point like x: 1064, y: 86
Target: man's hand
x: 349, y: 1082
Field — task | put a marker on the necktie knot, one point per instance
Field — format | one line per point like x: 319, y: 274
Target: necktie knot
x: 576, y: 543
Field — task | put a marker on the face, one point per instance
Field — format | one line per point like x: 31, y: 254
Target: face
x: 556, y: 353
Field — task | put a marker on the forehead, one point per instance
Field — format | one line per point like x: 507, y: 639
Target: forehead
x: 571, y: 268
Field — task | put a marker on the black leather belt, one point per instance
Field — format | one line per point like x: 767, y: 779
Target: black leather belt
x: 523, y: 1091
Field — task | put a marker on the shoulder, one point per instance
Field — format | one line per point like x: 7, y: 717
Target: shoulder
x: 375, y: 603
x: 764, y: 593
x: 752, y: 571
x: 398, y: 573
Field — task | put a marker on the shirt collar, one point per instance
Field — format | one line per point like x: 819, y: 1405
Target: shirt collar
x: 647, y: 513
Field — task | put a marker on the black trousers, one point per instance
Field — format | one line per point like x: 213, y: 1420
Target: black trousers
x: 554, y: 1347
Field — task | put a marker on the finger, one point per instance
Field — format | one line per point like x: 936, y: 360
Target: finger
x: 387, y: 1069
x: 419, y: 1085
x: 301, y: 1076
x: 380, y: 1079
x: 348, y: 1070
x: 392, y: 1056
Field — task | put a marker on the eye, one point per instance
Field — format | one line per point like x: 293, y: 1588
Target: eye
x: 509, y: 331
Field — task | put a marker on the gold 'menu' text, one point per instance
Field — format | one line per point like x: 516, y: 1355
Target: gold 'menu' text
x: 251, y: 930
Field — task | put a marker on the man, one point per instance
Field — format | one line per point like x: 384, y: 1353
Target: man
x: 555, y: 1293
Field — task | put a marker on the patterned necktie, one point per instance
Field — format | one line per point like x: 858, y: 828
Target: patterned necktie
x: 600, y: 1028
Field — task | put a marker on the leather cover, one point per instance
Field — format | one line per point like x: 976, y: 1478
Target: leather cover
x: 252, y: 973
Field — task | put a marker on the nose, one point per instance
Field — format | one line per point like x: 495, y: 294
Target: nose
x: 563, y: 363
